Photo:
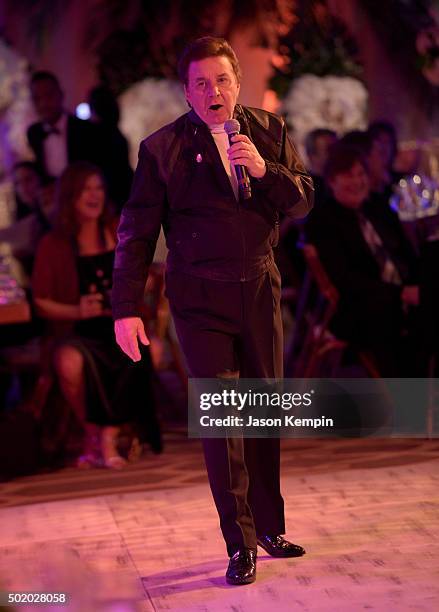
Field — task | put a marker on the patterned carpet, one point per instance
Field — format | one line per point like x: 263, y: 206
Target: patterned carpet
x: 147, y: 538
x: 182, y: 465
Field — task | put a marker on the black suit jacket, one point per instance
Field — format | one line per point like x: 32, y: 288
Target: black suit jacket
x: 370, y: 310
x: 180, y: 183
x: 81, y: 142
x: 386, y: 221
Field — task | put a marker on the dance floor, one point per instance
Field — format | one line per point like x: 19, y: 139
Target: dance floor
x: 147, y: 538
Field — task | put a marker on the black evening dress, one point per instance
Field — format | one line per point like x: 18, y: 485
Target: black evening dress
x: 118, y: 390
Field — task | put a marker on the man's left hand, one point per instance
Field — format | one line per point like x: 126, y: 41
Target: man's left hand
x: 244, y: 153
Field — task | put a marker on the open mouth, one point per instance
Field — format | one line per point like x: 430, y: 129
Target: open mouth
x: 215, y: 107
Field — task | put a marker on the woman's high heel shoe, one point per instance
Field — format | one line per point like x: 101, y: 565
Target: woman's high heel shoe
x: 110, y: 457
x: 90, y: 457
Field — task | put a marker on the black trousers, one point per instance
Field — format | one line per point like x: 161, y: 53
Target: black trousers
x: 231, y: 329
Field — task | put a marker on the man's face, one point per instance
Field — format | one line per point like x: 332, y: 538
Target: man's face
x: 320, y: 157
x: 48, y: 99
x: 212, y: 89
x: 27, y: 185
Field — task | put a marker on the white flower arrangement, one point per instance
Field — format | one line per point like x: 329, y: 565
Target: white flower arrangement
x: 16, y: 110
x: 146, y: 107
x: 334, y: 102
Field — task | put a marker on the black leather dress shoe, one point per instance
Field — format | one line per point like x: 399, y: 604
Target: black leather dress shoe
x: 277, y: 546
x: 242, y: 567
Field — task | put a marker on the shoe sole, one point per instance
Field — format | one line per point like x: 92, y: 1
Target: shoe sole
x: 239, y: 583
x: 281, y: 556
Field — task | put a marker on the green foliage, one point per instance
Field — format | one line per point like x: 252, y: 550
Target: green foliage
x: 319, y: 44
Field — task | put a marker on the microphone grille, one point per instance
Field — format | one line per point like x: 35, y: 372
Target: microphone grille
x: 231, y: 126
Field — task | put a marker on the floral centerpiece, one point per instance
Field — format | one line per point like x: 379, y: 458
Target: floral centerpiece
x: 334, y: 102
x: 147, y: 106
x: 15, y: 108
x: 15, y: 115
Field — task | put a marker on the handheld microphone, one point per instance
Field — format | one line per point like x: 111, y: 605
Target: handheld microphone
x: 232, y: 128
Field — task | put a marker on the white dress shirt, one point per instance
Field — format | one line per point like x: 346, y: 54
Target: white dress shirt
x: 55, y: 147
x: 222, y: 142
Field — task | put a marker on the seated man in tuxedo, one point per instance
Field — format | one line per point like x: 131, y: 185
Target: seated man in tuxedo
x: 59, y: 138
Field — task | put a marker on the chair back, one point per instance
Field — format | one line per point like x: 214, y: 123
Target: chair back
x: 317, y: 305
x: 320, y: 277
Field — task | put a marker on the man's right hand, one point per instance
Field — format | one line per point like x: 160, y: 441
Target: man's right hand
x: 127, y: 331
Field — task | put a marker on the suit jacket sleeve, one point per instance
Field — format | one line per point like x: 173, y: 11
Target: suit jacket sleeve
x: 286, y: 183
x: 137, y: 234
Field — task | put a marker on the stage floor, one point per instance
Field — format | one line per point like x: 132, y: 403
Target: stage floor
x: 147, y: 538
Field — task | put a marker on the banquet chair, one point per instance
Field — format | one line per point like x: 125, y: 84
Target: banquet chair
x: 158, y: 323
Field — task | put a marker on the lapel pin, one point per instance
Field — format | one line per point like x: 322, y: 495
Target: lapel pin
x: 199, y: 158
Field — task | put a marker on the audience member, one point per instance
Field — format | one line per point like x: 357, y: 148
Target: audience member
x: 112, y: 145
x: 48, y: 201
x: 379, y: 150
x: 384, y: 133
x: 27, y: 184
x: 375, y: 281
x: 317, y: 144
x: 71, y: 285
x: 357, y: 139
x: 30, y: 222
x: 288, y: 257
x: 19, y: 341
x: 59, y: 138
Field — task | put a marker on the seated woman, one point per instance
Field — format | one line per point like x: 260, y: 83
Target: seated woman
x: 71, y: 286
x: 369, y: 267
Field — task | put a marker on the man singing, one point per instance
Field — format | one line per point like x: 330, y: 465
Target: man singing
x: 222, y: 283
